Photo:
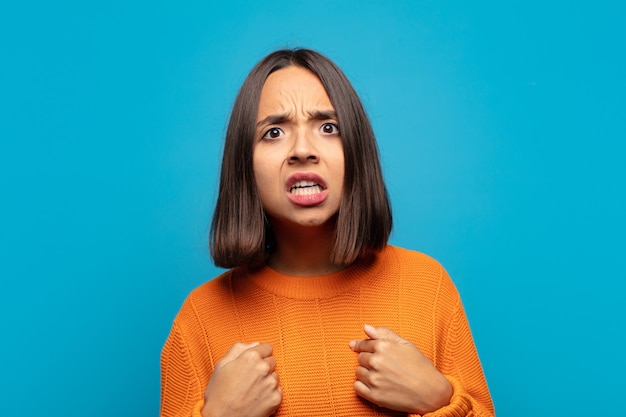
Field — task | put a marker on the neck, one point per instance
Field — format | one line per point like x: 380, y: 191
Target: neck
x: 303, y: 251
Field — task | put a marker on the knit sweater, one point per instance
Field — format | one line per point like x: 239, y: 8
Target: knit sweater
x: 309, y: 322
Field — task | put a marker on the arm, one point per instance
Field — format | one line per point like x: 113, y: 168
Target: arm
x: 181, y: 388
x: 460, y: 364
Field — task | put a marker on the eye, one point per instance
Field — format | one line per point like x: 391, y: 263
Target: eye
x: 273, y: 133
x: 329, y: 129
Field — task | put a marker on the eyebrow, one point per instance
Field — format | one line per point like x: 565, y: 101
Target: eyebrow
x: 323, y: 115
x: 282, y: 118
x: 273, y: 119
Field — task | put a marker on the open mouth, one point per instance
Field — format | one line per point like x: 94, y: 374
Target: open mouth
x: 304, y: 187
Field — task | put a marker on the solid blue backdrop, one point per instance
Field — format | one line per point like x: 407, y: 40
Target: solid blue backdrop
x: 501, y: 127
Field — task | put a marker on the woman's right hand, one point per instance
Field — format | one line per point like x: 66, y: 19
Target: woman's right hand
x: 244, y: 383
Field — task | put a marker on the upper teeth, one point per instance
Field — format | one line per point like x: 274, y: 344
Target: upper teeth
x: 305, y: 188
x: 303, y: 183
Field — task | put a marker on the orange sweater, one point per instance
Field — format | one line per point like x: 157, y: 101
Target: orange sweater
x: 404, y: 290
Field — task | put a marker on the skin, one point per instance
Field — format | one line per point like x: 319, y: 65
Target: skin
x: 297, y: 134
x: 393, y: 373
x: 244, y: 383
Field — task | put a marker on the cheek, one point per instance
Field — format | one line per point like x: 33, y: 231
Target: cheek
x: 258, y: 166
x: 266, y: 178
x: 339, y: 164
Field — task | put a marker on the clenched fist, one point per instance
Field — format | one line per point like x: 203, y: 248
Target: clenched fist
x: 244, y: 383
x: 393, y: 373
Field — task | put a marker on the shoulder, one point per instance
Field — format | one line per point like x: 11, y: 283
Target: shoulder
x: 200, y: 304
x: 422, y: 272
x: 412, y: 257
x: 415, y: 262
x: 218, y: 286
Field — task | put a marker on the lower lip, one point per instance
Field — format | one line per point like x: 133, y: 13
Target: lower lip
x: 308, y: 200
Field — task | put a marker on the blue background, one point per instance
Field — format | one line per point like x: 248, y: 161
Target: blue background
x: 501, y: 127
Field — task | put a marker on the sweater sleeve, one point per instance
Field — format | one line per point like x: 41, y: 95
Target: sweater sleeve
x: 182, y: 394
x: 461, y: 366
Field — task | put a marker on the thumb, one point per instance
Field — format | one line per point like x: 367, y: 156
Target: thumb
x: 381, y: 333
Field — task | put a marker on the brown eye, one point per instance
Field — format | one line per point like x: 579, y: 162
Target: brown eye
x: 273, y: 133
x: 329, y: 129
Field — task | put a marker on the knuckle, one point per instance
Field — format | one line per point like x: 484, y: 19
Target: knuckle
x: 374, y: 380
x: 275, y: 376
x: 383, y: 346
x: 262, y: 367
x: 250, y: 355
x: 375, y: 362
x: 271, y: 361
x: 276, y: 398
x: 359, y: 387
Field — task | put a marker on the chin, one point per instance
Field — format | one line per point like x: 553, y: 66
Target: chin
x: 310, y: 222
x: 319, y: 221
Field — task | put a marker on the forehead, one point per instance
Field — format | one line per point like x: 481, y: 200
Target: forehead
x: 293, y: 86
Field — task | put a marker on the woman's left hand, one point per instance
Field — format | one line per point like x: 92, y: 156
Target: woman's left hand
x: 393, y: 373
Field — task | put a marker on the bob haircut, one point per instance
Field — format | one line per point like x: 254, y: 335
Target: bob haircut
x: 240, y: 234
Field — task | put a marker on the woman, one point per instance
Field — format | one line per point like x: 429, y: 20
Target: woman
x: 318, y: 315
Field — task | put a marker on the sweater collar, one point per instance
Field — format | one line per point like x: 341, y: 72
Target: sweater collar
x: 324, y: 286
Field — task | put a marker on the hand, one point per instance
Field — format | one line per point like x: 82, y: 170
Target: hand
x: 393, y: 373
x: 244, y: 383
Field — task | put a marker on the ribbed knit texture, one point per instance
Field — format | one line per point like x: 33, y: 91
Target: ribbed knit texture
x: 309, y: 322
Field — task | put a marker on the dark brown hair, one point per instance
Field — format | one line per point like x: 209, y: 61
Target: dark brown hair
x: 240, y: 235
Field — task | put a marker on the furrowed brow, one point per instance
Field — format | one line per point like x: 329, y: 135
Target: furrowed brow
x: 273, y: 119
x: 323, y: 115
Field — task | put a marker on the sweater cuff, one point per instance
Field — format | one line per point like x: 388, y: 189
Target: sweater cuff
x: 459, y: 406
x: 197, y: 409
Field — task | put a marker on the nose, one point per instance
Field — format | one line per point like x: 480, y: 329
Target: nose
x: 304, y: 149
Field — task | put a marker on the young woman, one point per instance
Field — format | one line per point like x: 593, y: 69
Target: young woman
x: 317, y: 316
